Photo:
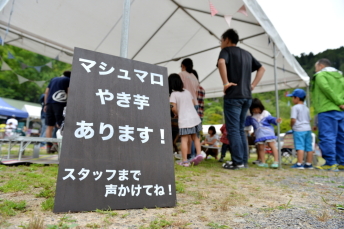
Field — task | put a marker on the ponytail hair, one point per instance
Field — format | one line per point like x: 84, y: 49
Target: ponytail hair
x: 195, y: 73
x: 188, y: 64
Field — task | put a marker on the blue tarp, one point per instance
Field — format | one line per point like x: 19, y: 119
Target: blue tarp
x: 8, y: 110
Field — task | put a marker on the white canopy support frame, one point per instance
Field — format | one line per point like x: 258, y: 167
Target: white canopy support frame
x: 178, y: 29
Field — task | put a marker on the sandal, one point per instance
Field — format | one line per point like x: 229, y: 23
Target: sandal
x: 185, y: 163
x: 196, y: 160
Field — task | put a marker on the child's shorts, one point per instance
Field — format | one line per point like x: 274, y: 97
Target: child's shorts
x: 303, y: 140
x: 192, y: 130
x: 264, y: 142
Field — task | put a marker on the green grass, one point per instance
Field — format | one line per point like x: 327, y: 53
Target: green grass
x: 65, y: 222
x: 46, y: 193
x: 157, y: 224
x: 180, y: 187
x: 28, y: 178
x: 215, y: 225
x: 11, y: 208
x: 92, y: 225
x: 48, y: 204
x: 108, y: 212
x: 14, y: 185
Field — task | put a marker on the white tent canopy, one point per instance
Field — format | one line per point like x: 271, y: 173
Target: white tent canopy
x: 161, y: 32
x: 34, y: 111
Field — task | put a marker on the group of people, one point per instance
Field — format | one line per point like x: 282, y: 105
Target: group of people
x: 186, y: 99
x: 235, y: 67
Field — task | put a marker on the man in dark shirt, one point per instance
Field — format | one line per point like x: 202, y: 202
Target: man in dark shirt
x: 235, y: 66
x: 55, y: 100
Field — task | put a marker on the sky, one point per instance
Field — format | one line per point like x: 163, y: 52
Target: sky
x: 307, y: 25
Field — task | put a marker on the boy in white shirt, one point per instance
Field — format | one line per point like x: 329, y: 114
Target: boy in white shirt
x: 300, y: 123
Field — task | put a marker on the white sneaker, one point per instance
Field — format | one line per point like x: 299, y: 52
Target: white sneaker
x: 203, y: 154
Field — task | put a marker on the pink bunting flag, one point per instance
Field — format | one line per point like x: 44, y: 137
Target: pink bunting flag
x: 21, y: 79
x: 228, y: 19
x: 39, y: 83
x: 213, y: 10
x: 5, y: 67
x: 243, y: 10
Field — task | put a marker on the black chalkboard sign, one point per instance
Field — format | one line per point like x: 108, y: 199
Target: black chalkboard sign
x: 117, y: 143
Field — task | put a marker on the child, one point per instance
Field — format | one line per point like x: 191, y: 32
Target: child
x: 211, y: 140
x: 189, y: 123
x: 261, y: 121
x: 225, y: 142
x: 300, y: 123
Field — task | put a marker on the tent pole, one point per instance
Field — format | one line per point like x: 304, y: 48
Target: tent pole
x: 27, y: 122
x: 125, y: 29
x: 308, y: 97
x: 277, y: 108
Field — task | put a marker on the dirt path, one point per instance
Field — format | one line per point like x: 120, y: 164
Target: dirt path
x: 212, y: 197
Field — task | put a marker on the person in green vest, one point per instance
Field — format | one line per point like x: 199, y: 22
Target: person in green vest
x: 327, y: 88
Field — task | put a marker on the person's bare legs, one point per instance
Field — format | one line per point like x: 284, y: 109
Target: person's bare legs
x: 195, y: 139
x: 189, y: 144
x: 49, y: 132
x: 261, y: 152
x: 309, y: 157
x: 272, y: 145
x: 198, y: 157
x: 300, y: 154
x: 184, y: 147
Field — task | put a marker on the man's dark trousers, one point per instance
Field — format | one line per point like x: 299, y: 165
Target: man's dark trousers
x: 235, y: 111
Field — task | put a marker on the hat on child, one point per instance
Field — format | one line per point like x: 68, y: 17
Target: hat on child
x: 298, y: 93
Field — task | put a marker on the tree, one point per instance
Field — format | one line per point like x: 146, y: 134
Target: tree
x: 28, y: 91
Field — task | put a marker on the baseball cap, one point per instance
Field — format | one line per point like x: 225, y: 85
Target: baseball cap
x: 298, y: 93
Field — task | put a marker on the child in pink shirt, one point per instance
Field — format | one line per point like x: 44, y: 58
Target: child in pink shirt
x: 189, y: 123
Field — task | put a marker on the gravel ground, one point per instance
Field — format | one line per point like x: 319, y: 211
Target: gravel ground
x: 213, y: 197
x: 292, y: 219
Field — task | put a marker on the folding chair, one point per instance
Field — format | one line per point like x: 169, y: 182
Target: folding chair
x: 270, y: 159
x: 289, y: 153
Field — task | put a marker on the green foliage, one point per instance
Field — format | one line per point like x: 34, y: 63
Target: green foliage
x: 336, y: 56
x: 10, y: 208
x: 28, y: 91
x: 213, y: 111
